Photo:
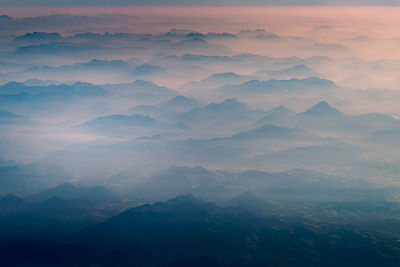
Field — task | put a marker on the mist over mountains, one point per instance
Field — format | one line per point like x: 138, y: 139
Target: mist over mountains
x: 122, y: 145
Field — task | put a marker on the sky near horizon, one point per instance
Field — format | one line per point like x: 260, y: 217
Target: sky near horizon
x: 200, y: 3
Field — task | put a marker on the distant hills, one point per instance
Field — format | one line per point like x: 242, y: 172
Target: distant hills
x: 124, y: 143
x: 274, y: 86
x: 27, y: 179
x: 96, y: 194
x: 298, y: 71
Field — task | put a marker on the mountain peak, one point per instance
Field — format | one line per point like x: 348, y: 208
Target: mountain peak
x: 280, y: 110
x: 276, y: 114
x: 300, y: 67
x: 39, y: 35
x: 146, y: 69
x: 194, y: 35
x: 183, y: 198
x: 232, y: 103
x: 5, y: 17
x: 225, y: 75
x: 181, y: 100
x: 143, y: 82
x: 323, y: 108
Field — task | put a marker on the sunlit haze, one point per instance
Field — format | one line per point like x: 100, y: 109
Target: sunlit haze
x: 240, y: 134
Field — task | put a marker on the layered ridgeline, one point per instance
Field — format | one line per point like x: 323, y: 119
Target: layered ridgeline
x: 187, y: 148
x: 232, y: 135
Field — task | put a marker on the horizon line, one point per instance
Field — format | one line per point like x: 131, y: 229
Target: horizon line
x: 194, y: 6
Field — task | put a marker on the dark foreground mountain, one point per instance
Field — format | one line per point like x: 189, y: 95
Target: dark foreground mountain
x: 186, y: 231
